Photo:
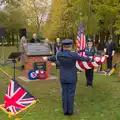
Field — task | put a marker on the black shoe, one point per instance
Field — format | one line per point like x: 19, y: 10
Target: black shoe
x: 70, y: 114
x: 65, y: 113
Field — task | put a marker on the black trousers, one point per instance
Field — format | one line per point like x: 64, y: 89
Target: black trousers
x: 89, y: 76
x: 109, y: 62
x: 57, y: 66
x: 68, y: 93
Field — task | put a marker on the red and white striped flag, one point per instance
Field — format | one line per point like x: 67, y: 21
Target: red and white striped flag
x: 81, y: 40
x: 81, y: 44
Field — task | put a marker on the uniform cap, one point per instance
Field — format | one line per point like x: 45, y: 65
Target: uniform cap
x: 67, y: 42
x: 89, y: 40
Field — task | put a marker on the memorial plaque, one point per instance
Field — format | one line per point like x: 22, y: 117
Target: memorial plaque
x: 40, y: 66
x: 37, y: 49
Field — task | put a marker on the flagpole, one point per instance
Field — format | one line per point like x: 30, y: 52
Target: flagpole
x: 88, y: 22
x: 5, y: 73
x: 28, y: 111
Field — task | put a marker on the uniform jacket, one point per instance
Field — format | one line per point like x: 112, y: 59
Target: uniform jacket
x: 90, y: 51
x: 67, y: 63
x: 109, y: 48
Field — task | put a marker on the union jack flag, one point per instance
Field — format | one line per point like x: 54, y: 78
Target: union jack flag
x: 81, y: 44
x: 17, y: 99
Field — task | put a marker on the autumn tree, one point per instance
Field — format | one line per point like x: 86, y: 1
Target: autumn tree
x: 36, y: 13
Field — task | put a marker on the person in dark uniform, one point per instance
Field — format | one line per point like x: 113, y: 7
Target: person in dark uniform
x: 109, y: 50
x: 68, y: 74
x: 90, y: 51
x: 34, y: 39
x: 57, y: 47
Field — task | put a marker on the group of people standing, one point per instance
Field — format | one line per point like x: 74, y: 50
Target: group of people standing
x: 66, y: 59
x: 23, y: 40
x: 91, y: 50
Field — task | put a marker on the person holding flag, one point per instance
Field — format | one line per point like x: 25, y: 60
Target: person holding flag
x: 68, y: 73
x: 90, y: 51
x: 87, y: 49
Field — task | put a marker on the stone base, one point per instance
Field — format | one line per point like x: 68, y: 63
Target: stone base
x: 27, y: 80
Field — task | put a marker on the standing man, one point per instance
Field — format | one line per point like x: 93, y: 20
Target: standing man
x: 57, y: 47
x: 34, y: 39
x: 109, y: 50
x: 68, y: 74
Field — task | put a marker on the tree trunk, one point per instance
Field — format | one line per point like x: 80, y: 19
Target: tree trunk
x: 13, y: 40
x: 102, y: 38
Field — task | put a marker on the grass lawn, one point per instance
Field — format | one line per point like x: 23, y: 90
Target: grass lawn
x: 102, y: 102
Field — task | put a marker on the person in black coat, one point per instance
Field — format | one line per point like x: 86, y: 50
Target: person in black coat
x: 109, y: 50
x: 68, y: 74
x: 34, y: 39
x: 57, y: 47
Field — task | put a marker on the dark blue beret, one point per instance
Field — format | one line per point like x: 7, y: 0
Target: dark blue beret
x: 67, y: 42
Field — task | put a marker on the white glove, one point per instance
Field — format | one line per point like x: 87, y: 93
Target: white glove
x: 105, y: 50
x: 113, y: 53
x: 97, y: 59
x: 91, y: 57
x: 45, y: 58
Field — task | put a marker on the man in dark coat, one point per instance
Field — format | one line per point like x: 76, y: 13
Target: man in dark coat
x: 68, y: 74
x: 34, y: 39
x: 109, y: 50
x: 57, y: 47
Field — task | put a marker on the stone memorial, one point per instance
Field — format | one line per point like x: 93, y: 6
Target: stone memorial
x: 36, y: 58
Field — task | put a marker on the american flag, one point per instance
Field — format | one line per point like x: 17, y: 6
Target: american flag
x: 81, y: 40
x: 17, y: 99
x: 81, y: 44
